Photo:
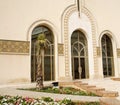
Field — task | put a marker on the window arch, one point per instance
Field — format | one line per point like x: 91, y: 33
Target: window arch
x: 79, y: 55
x: 48, y: 68
x: 107, y: 56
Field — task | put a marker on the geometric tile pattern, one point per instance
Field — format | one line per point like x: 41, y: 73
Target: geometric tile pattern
x: 98, y: 51
x: 60, y: 49
x: 11, y: 46
x: 118, y: 52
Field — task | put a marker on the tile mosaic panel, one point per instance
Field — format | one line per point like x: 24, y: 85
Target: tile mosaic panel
x: 118, y: 52
x: 60, y: 49
x: 10, y: 46
x: 98, y: 51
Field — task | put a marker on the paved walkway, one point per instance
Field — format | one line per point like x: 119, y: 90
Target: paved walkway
x: 106, y: 83
x: 11, y: 90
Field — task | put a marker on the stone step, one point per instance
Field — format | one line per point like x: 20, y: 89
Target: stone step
x: 77, y: 82
x: 109, y: 101
x: 81, y: 84
x: 88, y: 87
x: 107, y: 93
x: 65, y: 83
x: 96, y: 89
x: 115, y: 79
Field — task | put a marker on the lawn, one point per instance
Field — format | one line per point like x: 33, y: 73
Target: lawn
x: 48, y: 100
x: 62, y: 90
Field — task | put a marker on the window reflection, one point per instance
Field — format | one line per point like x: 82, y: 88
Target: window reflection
x: 79, y: 55
x: 48, y: 69
x: 107, y: 56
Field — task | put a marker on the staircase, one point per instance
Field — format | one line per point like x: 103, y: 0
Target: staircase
x: 89, y: 88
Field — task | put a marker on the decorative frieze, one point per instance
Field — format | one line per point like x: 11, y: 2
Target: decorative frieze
x: 17, y: 47
x: 60, y: 49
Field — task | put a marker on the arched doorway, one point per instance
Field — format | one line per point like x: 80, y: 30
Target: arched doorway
x: 107, y: 56
x: 79, y: 55
x: 48, y: 68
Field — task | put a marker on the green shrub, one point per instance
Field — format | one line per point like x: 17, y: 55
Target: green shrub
x: 47, y: 99
x: 63, y: 90
x: 66, y: 101
x: 56, y: 90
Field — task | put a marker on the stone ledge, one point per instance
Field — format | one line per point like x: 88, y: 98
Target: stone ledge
x: 65, y: 83
x: 77, y: 82
x: 107, y: 93
x: 109, y: 101
x: 116, y: 79
x: 81, y: 84
x: 87, y: 87
x: 96, y: 89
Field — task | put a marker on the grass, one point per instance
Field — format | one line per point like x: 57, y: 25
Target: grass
x: 62, y: 90
x: 65, y: 90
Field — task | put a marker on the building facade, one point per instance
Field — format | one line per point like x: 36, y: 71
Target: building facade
x: 82, y: 36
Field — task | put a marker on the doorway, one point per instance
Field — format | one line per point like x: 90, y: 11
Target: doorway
x: 79, y: 55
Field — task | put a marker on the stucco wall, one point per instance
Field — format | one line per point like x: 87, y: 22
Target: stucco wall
x: 16, y: 19
x: 18, y: 16
x: 107, y: 15
x: 14, y: 69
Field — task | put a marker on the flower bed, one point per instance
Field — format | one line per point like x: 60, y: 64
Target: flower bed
x: 18, y: 100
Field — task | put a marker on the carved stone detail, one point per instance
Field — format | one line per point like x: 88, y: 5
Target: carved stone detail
x: 98, y: 51
x: 11, y: 46
x: 60, y: 49
x: 66, y: 38
x: 118, y: 52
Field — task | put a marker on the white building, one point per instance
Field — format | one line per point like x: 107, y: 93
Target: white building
x: 83, y: 39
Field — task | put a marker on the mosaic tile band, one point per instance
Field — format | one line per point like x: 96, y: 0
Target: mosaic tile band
x: 98, y: 51
x: 118, y: 52
x: 60, y: 49
x: 11, y: 46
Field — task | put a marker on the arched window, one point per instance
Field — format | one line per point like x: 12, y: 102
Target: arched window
x: 107, y: 56
x: 79, y: 55
x: 48, y: 68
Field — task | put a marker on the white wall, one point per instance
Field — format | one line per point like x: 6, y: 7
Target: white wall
x: 14, y: 69
x: 107, y: 15
x: 16, y: 16
x: 16, y: 19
